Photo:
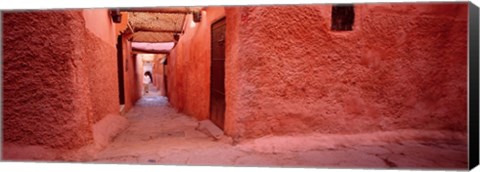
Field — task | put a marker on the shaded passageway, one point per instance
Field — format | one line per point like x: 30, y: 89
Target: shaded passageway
x: 301, y: 85
x: 157, y: 134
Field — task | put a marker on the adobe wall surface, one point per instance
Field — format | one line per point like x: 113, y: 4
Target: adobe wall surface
x: 139, y: 73
x: 101, y: 57
x: 46, y: 99
x: 175, y: 89
x: 188, y: 66
x: 101, y: 52
x: 157, y: 73
x: 402, y: 67
x: 103, y: 78
x: 59, y: 80
x: 99, y: 22
x: 132, y: 93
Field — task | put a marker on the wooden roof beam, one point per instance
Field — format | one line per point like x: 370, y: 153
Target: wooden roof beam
x: 145, y: 29
x: 149, y: 51
x: 158, y: 10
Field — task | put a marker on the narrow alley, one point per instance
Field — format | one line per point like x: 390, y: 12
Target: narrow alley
x: 157, y: 134
x: 320, y: 85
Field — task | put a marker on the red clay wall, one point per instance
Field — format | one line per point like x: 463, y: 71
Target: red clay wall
x: 158, y: 74
x: 189, y: 66
x: 403, y: 66
x: 99, y: 22
x: 132, y: 93
x: 101, y: 56
x: 129, y: 75
x: 175, y: 90
x: 45, y: 87
x: 139, y: 73
x: 59, y: 80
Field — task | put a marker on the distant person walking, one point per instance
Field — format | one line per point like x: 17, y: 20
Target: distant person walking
x: 146, y: 81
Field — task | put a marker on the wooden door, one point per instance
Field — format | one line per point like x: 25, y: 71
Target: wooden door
x: 217, y: 74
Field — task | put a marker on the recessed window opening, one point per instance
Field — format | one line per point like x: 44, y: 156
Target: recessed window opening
x: 343, y: 17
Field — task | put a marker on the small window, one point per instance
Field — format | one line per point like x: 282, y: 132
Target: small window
x: 343, y: 17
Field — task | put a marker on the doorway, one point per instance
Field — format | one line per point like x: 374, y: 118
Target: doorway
x: 165, y: 85
x: 217, y: 73
x: 121, y: 83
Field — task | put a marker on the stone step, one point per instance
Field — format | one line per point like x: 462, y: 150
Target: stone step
x: 209, y: 128
x: 122, y: 110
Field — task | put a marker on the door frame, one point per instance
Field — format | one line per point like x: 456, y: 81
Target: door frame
x: 120, y: 70
x: 222, y: 19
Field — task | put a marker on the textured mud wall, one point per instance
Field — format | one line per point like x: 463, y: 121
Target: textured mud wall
x: 132, y: 93
x: 158, y: 74
x: 402, y: 66
x: 60, y: 79
x: 101, y: 56
x: 175, y: 82
x: 46, y: 99
x: 139, y: 73
x: 99, y: 22
x: 189, y: 66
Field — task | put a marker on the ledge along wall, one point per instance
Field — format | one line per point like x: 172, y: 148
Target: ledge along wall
x: 188, y: 68
x: 402, y: 67
x: 60, y: 81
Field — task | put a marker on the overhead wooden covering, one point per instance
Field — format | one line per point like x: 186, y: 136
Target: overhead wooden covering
x: 163, y: 10
x: 155, y: 27
x: 152, y: 37
x: 156, y: 21
x: 152, y: 48
x: 157, y: 24
x: 142, y: 51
